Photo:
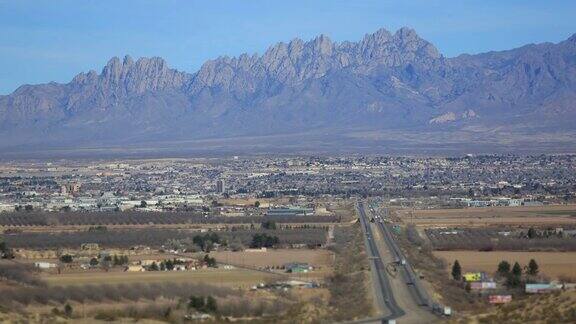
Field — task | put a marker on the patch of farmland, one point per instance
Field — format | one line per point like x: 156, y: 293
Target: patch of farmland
x: 152, y: 237
x: 275, y: 258
x: 474, y: 217
x: 553, y: 264
x: 26, y: 219
x: 498, y: 238
x: 220, y: 277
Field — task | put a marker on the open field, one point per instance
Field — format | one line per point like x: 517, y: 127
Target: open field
x: 552, y: 264
x: 230, y: 278
x: 317, y: 258
x: 541, y: 215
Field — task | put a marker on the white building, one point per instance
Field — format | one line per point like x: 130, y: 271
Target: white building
x: 7, y: 207
x: 44, y: 265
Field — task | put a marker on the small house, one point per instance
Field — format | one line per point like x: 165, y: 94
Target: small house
x: 179, y: 267
x: 135, y: 268
x: 296, y: 267
x: 44, y: 265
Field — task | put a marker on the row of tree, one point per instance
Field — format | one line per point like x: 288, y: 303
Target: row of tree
x: 39, y: 218
x: 5, y: 251
x: 206, y: 242
x: 264, y: 240
x: 106, y: 260
x: 168, y: 265
x: 486, y: 243
x: 512, y: 274
x: 204, y: 304
x: 156, y: 237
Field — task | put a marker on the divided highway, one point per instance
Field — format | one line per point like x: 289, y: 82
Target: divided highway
x: 408, y: 274
x: 399, y: 297
x: 384, y: 296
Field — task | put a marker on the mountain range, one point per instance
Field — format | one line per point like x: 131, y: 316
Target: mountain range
x: 389, y: 92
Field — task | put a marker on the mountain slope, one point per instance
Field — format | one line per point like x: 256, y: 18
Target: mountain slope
x: 353, y: 92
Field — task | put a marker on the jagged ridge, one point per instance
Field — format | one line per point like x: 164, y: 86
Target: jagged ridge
x: 384, y: 81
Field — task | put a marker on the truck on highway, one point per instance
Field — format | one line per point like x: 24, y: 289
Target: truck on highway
x: 442, y: 310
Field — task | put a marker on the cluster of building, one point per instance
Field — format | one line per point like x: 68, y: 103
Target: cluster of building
x: 91, y: 255
x: 479, y: 282
x: 498, y: 202
x: 175, y: 264
x: 192, y: 183
x: 285, y: 285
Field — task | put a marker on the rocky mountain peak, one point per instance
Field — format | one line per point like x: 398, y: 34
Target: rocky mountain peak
x: 408, y: 40
x: 113, y: 69
x: 322, y: 45
x: 122, y: 79
x: 296, y: 43
x: 116, y: 69
x: 406, y: 34
x: 381, y: 36
x: 398, y: 49
x: 276, y: 52
x: 128, y: 61
x: 298, y: 60
x: 83, y: 78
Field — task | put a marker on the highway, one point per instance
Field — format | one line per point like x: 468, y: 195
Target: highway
x: 384, y: 298
x: 402, y: 296
x: 408, y: 274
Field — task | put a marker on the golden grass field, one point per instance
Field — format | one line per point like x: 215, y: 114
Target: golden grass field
x: 552, y: 264
x: 541, y: 215
x: 231, y: 278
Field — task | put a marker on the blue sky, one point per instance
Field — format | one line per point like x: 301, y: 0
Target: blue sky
x: 42, y: 41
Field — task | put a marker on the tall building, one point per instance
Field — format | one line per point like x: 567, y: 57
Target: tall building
x: 220, y: 186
